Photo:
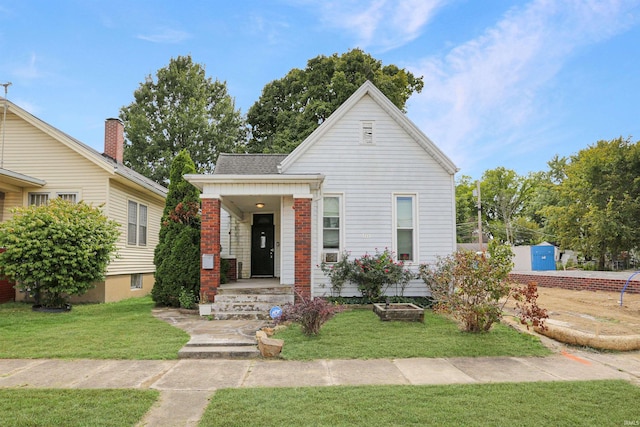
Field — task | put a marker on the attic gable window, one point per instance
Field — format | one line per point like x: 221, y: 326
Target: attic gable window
x: 367, y: 133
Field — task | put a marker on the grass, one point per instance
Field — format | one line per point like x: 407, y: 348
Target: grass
x: 359, y: 334
x: 70, y: 408
x: 595, y: 403
x: 119, y: 330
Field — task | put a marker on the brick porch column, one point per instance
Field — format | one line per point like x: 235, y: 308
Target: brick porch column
x: 302, y: 207
x: 210, y: 244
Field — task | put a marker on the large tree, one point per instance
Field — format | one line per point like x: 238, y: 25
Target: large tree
x: 177, y: 256
x: 180, y: 109
x: 598, y: 200
x: 291, y: 108
x: 505, y: 200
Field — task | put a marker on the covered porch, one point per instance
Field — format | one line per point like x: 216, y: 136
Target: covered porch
x: 264, y: 222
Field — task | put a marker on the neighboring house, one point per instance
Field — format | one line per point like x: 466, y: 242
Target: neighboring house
x: 39, y: 162
x: 366, y: 179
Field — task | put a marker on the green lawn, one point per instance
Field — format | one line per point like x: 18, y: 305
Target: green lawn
x: 120, y: 330
x: 359, y: 334
x: 590, y: 403
x: 69, y: 408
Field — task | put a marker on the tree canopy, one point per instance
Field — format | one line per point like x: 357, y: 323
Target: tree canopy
x: 598, y: 200
x: 57, y: 250
x: 180, y: 109
x: 291, y: 108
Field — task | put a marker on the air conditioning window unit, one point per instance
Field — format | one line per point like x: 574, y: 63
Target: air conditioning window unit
x: 330, y: 257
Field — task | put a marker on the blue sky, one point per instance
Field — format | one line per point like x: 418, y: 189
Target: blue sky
x: 507, y: 83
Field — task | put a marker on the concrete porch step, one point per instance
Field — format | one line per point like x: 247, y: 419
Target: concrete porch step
x: 271, y: 290
x: 260, y: 307
x: 219, y: 352
x: 240, y: 315
x: 259, y: 298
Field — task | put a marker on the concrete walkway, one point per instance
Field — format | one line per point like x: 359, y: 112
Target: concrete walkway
x: 187, y: 385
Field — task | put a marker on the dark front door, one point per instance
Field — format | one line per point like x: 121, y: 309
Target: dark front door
x: 262, y: 247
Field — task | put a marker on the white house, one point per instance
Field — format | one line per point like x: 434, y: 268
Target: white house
x: 365, y: 180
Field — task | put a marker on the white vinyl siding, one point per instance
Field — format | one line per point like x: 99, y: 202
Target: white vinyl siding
x: 368, y: 177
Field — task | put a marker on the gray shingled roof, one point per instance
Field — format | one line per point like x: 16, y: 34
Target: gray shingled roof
x: 248, y: 164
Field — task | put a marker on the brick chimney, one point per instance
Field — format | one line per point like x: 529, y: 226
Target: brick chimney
x: 114, y: 139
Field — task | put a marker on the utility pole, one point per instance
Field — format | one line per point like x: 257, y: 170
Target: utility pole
x: 477, y: 193
x: 4, y: 122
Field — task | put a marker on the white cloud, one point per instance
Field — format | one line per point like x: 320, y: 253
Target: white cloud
x: 28, y: 70
x: 379, y: 24
x: 489, y: 88
x: 166, y: 35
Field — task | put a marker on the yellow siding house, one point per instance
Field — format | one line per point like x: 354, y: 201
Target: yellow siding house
x: 39, y: 162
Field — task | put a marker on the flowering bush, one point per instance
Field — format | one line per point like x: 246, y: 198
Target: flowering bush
x: 338, y: 273
x: 310, y: 313
x: 372, y: 274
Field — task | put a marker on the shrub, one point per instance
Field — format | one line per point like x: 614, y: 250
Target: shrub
x: 372, y: 274
x: 57, y: 250
x: 471, y: 287
x: 310, y: 313
x: 187, y: 299
x: 527, y: 308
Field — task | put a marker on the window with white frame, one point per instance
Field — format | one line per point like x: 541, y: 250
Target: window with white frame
x: 405, y: 227
x: 331, y: 228
x: 136, y: 281
x: 38, y: 199
x: 69, y: 197
x: 137, y: 224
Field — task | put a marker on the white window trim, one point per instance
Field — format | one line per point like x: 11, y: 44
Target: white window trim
x: 69, y: 193
x: 137, y: 236
x: 416, y: 231
x: 341, y: 233
x: 37, y: 193
x: 366, y: 141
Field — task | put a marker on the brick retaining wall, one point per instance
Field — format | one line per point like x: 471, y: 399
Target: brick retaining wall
x: 578, y: 283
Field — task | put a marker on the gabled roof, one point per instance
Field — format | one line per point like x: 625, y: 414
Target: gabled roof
x: 87, y: 152
x: 394, y: 112
x: 248, y: 164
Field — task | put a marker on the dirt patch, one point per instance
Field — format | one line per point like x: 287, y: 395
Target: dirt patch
x: 591, y: 318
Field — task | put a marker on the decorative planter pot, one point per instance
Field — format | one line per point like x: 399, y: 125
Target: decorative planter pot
x: 205, y: 309
x: 399, y: 311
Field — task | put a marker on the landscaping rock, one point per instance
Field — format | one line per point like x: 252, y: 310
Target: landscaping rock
x: 269, y: 347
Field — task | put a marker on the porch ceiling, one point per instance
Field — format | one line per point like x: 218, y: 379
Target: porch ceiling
x: 240, y: 205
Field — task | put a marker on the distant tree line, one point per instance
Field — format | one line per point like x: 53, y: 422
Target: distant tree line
x: 588, y: 202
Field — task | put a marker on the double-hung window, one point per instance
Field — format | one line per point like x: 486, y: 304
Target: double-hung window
x: 137, y: 224
x: 331, y: 228
x: 405, y: 207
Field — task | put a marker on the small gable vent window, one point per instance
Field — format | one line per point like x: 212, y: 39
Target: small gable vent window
x: 367, y: 133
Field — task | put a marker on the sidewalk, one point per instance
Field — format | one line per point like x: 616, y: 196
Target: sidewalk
x: 186, y: 385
